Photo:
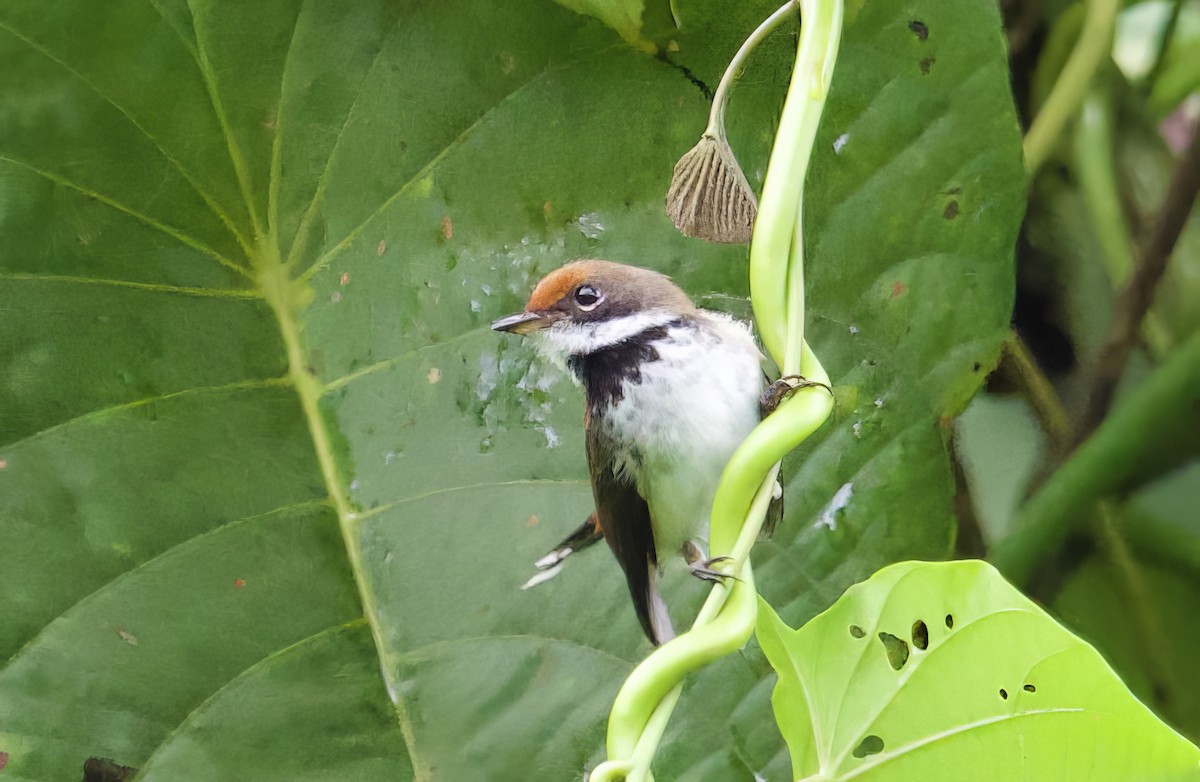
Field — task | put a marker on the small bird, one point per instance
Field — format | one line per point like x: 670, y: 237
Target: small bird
x: 671, y: 390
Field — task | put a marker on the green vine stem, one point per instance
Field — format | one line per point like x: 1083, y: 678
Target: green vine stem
x: 1165, y: 36
x: 1038, y: 391
x: 644, y: 704
x: 1090, y: 52
x: 1095, y: 165
x: 778, y: 233
x: 1143, y: 424
x: 1094, y: 154
x: 716, y: 116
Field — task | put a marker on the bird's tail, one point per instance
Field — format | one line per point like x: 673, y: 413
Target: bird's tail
x: 660, y: 619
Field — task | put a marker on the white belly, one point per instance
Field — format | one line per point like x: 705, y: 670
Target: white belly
x: 683, y: 420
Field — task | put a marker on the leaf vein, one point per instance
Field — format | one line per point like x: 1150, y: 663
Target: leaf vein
x: 174, y: 233
x: 269, y: 658
x: 282, y: 511
x: 204, y: 195
x: 344, y: 380
x: 299, y: 240
x: 425, y: 170
x: 217, y: 293
x: 240, y: 385
x: 469, y: 487
x: 208, y: 76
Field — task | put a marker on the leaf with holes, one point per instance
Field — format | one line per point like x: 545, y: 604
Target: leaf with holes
x: 257, y: 442
x: 930, y: 667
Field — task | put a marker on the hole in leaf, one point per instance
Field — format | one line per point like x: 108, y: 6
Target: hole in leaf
x: 1029, y: 688
x: 105, y: 770
x: 869, y: 746
x: 1003, y: 694
x: 896, y: 648
x: 920, y: 635
x: 949, y: 621
x: 857, y: 631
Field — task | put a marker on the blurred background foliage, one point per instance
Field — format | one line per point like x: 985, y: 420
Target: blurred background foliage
x: 1125, y: 572
x: 250, y: 253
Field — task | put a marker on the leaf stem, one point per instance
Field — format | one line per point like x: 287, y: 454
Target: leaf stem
x: 285, y: 297
x: 1090, y: 52
x: 1165, y: 36
x: 1164, y: 406
x: 1093, y: 150
x: 716, y: 116
x: 1043, y: 399
x: 1134, y: 300
x: 1095, y: 165
x: 1141, y: 606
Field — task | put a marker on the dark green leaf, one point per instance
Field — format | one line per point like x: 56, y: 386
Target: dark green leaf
x: 248, y: 255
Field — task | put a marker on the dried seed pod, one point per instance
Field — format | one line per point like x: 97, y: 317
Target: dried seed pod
x: 709, y: 197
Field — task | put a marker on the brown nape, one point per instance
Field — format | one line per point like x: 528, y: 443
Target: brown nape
x: 632, y: 288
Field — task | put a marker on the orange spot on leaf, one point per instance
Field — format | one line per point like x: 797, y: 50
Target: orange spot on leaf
x: 3, y: 760
x: 898, y: 289
x: 239, y: 583
x: 345, y: 278
x: 447, y: 227
x: 3, y: 464
x: 382, y: 248
x: 532, y: 521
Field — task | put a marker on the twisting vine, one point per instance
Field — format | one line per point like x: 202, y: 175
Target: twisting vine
x: 644, y: 704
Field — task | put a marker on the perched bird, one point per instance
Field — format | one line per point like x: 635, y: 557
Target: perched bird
x: 671, y: 390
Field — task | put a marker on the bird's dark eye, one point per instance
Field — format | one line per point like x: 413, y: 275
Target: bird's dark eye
x: 588, y: 296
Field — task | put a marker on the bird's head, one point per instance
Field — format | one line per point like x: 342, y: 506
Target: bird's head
x: 587, y: 306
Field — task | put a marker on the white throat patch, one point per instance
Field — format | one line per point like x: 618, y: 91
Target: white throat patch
x: 563, y: 340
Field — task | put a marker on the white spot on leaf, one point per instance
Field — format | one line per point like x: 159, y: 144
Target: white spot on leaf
x: 840, y: 500
x: 590, y: 225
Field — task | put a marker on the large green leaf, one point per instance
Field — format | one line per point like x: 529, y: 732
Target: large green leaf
x: 930, y: 667
x: 249, y: 255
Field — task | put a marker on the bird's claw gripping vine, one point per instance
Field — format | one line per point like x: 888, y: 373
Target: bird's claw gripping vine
x: 781, y: 389
x: 705, y: 571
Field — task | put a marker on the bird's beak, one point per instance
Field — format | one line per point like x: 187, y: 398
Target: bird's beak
x: 522, y: 323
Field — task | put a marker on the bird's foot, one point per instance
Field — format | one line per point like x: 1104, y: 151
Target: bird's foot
x: 704, y: 570
x: 781, y: 389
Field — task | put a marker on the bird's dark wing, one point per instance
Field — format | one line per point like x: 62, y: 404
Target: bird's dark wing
x: 774, y: 512
x: 624, y: 519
